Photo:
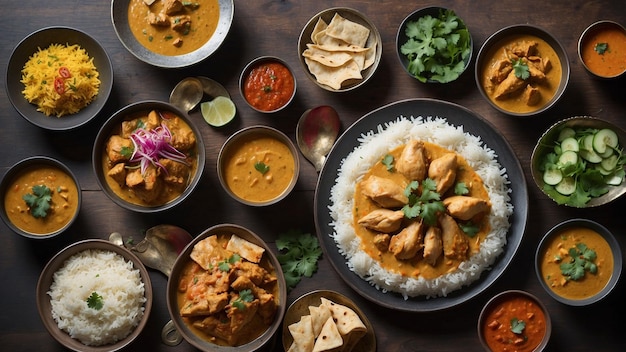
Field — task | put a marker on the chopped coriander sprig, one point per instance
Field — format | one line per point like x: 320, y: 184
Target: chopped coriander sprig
x: 581, y: 260
x: 299, y: 253
x: 95, y: 301
x: 39, y: 200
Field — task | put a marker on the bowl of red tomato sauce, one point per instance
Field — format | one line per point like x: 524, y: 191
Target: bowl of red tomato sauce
x: 267, y: 84
x: 602, y: 49
x: 514, y: 320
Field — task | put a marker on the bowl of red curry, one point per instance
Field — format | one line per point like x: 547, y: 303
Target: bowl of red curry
x: 514, y: 320
x: 267, y: 84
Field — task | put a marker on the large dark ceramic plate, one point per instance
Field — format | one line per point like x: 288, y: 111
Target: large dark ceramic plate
x: 457, y: 116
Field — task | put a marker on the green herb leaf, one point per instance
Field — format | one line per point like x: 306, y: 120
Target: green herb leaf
x: 299, y: 253
x: 226, y: 263
x: 245, y: 296
x: 39, y: 200
x: 427, y: 205
x: 601, y: 48
x: 581, y: 260
x: 95, y: 301
x: 388, y: 162
x: 517, y: 326
x: 469, y: 228
x: 520, y: 67
x: 460, y: 189
x: 261, y: 167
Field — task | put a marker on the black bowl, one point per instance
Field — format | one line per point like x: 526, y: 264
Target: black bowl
x: 42, y: 38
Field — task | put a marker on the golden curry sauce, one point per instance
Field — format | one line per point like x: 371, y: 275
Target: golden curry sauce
x: 556, y: 252
x: 259, y: 169
x: 163, y: 38
x: 515, y: 102
x: 63, y: 206
x: 417, y: 267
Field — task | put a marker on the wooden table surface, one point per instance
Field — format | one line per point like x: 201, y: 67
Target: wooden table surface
x: 272, y: 28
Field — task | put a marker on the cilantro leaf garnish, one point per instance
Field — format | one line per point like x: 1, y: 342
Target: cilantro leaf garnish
x: 388, y: 162
x: 299, y: 253
x: 601, y: 48
x: 520, y: 67
x: 226, y: 263
x: 517, y: 326
x: 39, y: 200
x: 245, y: 296
x: 581, y: 260
x: 426, y: 205
x: 460, y: 189
x: 261, y: 167
x: 95, y: 301
x: 469, y: 228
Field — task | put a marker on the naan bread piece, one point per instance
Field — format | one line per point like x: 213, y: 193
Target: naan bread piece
x: 332, y: 44
x: 333, y: 76
x: 207, y: 251
x: 329, y: 338
x: 320, y: 25
x: 347, y: 31
x: 327, y: 58
x: 347, y: 320
x: 319, y: 315
x: 246, y: 249
x: 302, y: 333
x: 370, y: 55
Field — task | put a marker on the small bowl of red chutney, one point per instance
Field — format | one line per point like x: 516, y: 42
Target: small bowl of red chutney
x: 267, y: 84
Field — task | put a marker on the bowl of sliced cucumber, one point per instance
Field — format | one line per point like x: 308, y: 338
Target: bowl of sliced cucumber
x: 579, y: 162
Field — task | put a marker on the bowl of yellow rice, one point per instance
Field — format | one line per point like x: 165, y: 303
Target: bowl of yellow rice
x: 59, y: 78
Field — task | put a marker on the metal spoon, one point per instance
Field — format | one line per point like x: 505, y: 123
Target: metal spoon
x: 187, y: 94
x: 316, y: 133
x: 158, y: 250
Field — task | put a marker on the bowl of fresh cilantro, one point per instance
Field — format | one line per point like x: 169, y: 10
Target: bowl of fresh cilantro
x: 579, y: 162
x: 41, y: 197
x: 434, y: 45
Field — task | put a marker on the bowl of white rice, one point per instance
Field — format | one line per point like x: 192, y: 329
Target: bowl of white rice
x: 94, y: 296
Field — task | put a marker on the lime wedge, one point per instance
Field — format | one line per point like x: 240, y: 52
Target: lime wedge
x: 218, y: 111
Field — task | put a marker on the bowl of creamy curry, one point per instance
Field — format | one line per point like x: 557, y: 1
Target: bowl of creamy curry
x: 258, y: 166
x: 41, y: 197
x: 172, y: 33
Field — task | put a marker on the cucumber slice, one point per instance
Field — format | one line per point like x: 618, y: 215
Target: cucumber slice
x: 569, y: 143
x: 609, y: 163
x: 567, y: 186
x: 566, y: 132
x: 607, y: 153
x: 587, y: 142
x: 614, y: 180
x: 552, y: 176
x: 590, y: 156
x: 603, y: 171
x: 603, y: 139
x: 568, y: 157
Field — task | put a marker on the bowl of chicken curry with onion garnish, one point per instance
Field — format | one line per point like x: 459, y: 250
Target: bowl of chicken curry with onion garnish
x: 522, y: 70
x: 148, y: 156
x: 227, y: 291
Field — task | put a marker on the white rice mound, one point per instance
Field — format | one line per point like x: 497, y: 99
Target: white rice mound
x: 109, y: 275
x: 373, y: 146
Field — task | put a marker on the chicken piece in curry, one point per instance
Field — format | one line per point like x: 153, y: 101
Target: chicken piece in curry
x: 150, y: 159
x: 422, y: 214
x: 225, y: 295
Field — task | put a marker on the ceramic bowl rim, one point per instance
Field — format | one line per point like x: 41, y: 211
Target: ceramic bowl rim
x: 581, y: 42
x: 15, y: 170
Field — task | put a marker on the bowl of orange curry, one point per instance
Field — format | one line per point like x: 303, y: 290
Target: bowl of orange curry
x: 514, y: 320
x: 172, y: 33
x: 578, y: 262
x: 227, y: 291
x: 41, y: 197
x: 602, y: 49
x: 267, y: 84
x: 258, y: 166
x: 148, y: 156
x: 522, y: 70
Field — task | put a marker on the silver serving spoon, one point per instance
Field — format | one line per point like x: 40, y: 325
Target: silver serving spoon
x: 158, y: 250
x: 187, y: 94
x: 316, y: 133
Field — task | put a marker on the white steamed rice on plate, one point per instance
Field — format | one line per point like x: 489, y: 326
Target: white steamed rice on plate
x: 373, y: 146
x: 118, y: 284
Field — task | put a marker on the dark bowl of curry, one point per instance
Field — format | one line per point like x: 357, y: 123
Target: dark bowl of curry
x: 514, y: 320
x: 602, y: 49
x: 267, y: 84
x: 578, y: 262
x: 522, y: 70
x: 235, y: 271
x: 148, y: 156
x: 41, y: 197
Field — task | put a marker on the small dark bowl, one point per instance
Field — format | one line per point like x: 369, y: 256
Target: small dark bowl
x: 251, y: 133
x: 255, y: 63
x: 402, y: 38
x: 546, y: 144
x: 15, y: 171
x: 588, y: 38
x: 610, y: 239
x: 502, y: 297
x: 43, y: 38
x: 260, y: 343
x: 351, y: 15
x: 119, y: 17
x: 47, y: 277
x: 113, y: 122
x: 512, y: 31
